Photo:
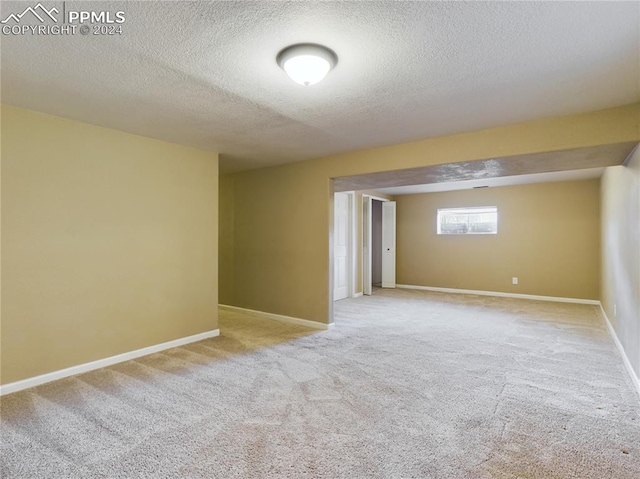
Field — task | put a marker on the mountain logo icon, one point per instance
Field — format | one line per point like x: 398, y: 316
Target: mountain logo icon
x: 39, y: 11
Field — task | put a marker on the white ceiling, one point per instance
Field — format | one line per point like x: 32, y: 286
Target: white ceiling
x: 571, y: 175
x: 204, y: 73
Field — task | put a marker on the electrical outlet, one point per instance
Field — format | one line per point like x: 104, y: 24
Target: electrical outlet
x: 514, y: 280
x: 615, y: 310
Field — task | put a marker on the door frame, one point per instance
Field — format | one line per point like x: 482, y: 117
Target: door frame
x: 353, y: 243
x: 367, y: 219
x: 352, y: 226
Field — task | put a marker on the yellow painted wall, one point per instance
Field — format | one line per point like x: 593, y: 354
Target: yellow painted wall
x: 109, y: 242
x: 226, y: 240
x: 282, y: 215
x: 548, y: 236
x: 621, y: 254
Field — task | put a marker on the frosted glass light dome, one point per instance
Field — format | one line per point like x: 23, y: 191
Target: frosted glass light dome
x: 307, y: 63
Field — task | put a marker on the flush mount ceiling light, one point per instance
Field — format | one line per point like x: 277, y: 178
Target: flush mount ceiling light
x: 307, y: 63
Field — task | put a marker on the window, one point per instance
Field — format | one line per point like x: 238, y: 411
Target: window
x: 468, y: 221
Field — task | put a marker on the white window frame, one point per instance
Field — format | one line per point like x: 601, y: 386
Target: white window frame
x: 462, y: 211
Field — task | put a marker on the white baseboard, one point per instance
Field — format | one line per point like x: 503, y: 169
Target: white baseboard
x: 101, y: 363
x: 499, y: 294
x: 276, y: 317
x: 623, y: 353
x: 357, y: 295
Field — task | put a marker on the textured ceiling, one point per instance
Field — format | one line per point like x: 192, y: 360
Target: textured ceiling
x: 569, y: 175
x: 509, y: 168
x: 204, y: 73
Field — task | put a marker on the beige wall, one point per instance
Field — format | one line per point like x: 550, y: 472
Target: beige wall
x: 109, y: 242
x: 621, y: 254
x: 548, y: 236
x: 226, y: 240
x: 282, y: 215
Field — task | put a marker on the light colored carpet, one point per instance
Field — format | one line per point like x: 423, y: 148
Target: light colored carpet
x: 408, y: 384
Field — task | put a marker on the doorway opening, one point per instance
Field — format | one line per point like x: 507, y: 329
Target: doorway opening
x: 379, y: 243
x: 376, y: 243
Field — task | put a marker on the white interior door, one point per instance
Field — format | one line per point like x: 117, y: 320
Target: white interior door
x: 366, y: 244
x: 341, y: 246
x: 389, y: 244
